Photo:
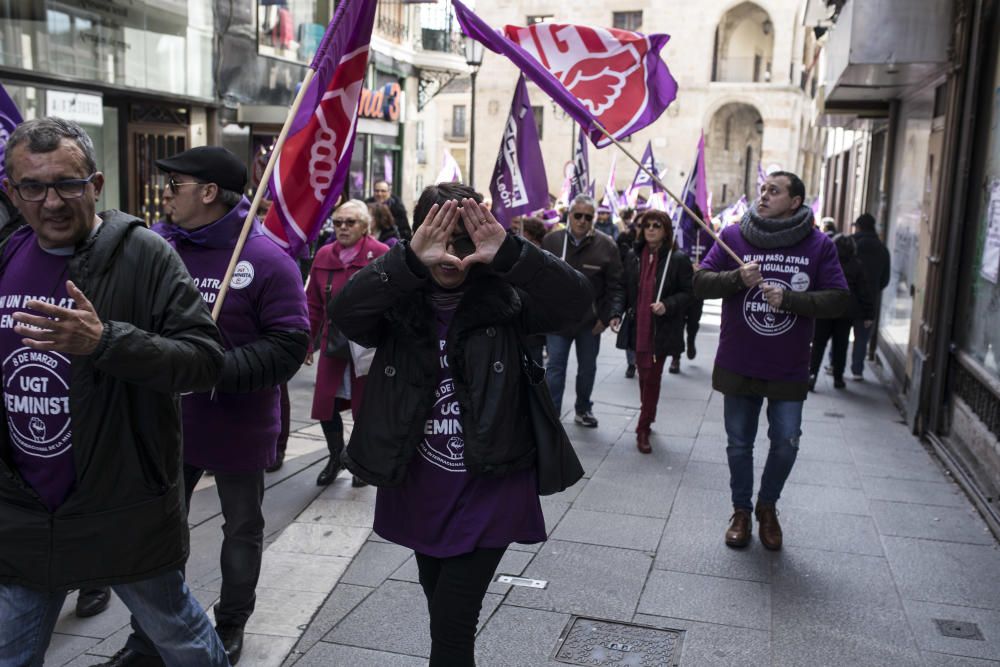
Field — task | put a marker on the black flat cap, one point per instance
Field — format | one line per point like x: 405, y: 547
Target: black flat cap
x: 212, y: 164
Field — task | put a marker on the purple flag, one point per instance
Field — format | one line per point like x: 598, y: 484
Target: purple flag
x: 313, y: 165
x: 695, y: 241
x: 614, y: 78
x: 642, y: 179
x: 10, y: 118
x: 579, y: 184
x: 519, y: 185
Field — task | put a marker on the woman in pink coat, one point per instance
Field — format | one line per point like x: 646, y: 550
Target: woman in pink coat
x: 337, y: 386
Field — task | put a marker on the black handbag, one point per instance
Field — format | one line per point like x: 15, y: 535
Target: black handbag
x: 626, y: 333
x: 558, y: 467
x: 337, y: 346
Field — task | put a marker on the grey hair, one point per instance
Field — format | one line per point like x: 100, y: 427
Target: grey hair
x: 360, y: 207
x: 229, y: 198
x: 585, y: 200
x: 44, y: 135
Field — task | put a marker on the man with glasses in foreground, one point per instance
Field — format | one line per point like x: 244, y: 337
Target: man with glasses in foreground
x: 595, y: 255
x: 233, y: 429
x: 100, y: 328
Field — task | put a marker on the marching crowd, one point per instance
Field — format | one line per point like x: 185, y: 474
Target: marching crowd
x: 120, y: 391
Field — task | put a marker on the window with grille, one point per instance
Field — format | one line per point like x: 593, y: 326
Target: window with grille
x: 458, y: 120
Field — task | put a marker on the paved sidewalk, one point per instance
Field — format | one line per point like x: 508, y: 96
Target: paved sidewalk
x: 879, y: 543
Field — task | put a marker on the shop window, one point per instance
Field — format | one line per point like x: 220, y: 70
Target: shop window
x: 357, y: 180
x: 292, y: 29
x: 458, y: 121
x: 631, y: 21
x: 539, y: 114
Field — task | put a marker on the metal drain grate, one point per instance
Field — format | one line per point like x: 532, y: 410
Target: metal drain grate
x: 590, y: 641
x: 959, y: 629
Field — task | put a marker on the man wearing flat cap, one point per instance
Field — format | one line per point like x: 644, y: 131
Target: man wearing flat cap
x: 232, y: 430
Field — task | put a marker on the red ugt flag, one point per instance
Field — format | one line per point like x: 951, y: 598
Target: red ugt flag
x: 310, y: 171
x: 604, y: 75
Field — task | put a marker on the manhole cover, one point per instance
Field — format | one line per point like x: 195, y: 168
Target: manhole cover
x: 959, y: 629
x: 589, y: 641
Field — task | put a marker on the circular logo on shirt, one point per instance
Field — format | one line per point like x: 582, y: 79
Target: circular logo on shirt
x: 36, y: 397
x: 800, y: 282
x: 242, y: 275
x: 761, y: 317
x: 443, y: 444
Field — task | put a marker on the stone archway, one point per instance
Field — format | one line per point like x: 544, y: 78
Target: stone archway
x: 744, y: 45
x: 732, y: 151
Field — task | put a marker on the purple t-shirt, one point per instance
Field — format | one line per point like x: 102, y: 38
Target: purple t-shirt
x: 756, y: 340
x: 36, y: 383
x: 440, y: 509
x: 238, y: 432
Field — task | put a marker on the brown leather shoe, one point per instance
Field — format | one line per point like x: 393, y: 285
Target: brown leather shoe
x: 740, y: 527
x: 770, y: 529
x: 642, y: 442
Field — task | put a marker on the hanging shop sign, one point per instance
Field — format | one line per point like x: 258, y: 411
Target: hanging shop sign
x: 381, y: 104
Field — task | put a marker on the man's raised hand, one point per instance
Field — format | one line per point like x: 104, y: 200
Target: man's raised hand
x: 71, y: 330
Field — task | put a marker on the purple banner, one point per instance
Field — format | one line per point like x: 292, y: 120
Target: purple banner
x: 519, y: 185
x: 10, y: 118
x: 579, y: 183
x: 695, y: 241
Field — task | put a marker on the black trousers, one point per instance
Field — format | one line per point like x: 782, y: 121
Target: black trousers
x: 840, y: 332
x: 692, y: 318
x: 455, y: 588
x: 333, y: 431
x: 240, y: 495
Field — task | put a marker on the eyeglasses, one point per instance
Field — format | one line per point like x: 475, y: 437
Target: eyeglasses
x: 174, y: 183
x: 70, y: 188
x: 345, y: 222
x: 651, y: 225
x: 583, y: 216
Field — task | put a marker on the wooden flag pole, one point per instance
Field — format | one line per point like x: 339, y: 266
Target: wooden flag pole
x: 656, y: 179
x: 259, y: 194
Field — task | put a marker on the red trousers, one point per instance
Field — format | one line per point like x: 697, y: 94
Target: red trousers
x: 649, y: 394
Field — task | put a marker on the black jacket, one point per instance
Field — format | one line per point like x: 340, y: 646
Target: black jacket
x: 862, y: 305
x: 668, y: 329
x: 125, y: 520
x: 398, y: 215
x: 874, y: 257
x: 385, y: 304
x: 597, y: 258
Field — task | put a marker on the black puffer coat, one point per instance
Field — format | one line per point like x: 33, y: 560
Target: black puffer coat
x: 385, y: 304
x: 125, y: 519
x: 668, y: 329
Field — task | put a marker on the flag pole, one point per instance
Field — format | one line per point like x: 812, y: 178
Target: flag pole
x: 656, y: 179
x: 259, y: 194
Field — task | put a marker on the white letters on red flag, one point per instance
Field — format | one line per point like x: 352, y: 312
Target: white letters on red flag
x: 310, y: 171
x: 614, y: 77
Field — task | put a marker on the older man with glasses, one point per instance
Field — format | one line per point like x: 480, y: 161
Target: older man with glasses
x: 233, y: 429
x: 100, y: 328
x: 595, y: 255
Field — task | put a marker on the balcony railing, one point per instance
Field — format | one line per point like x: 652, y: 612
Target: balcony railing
x: 442, y: 41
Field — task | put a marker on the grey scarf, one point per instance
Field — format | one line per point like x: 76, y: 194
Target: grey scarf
x: 767, y: 234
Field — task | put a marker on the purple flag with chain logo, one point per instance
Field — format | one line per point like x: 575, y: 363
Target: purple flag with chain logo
x: 519, y: 185
x: 10, y: 118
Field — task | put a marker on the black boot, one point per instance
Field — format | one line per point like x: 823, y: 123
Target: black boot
x: 335, y: 443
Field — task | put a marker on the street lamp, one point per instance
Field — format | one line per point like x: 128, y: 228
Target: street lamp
x: 473, y: 58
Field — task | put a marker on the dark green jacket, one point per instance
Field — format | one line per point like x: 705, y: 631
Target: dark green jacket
x: 125, y: 520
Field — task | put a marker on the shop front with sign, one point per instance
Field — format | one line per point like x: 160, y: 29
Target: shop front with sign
x: 137, y: 76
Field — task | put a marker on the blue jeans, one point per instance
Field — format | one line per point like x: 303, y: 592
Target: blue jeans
x: 784, y: 419
x: 861, y: 336
x: 587, y: 347
x: 163, y: 604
